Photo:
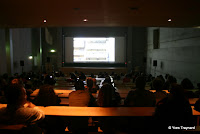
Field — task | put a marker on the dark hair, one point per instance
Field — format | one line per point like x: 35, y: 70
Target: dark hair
x: 15, y: 93
x: 157, y: 84
x: 82, y: 76
x: 105, y: 96
x: 46, y: 96
x: 177, y: 90
x: 73, y: 76
x: 107, y: 80
x: 90, y: 82
x: 171, y: 79
x: 187, y: 84
x: 140, y: 82
x: 79, y: 85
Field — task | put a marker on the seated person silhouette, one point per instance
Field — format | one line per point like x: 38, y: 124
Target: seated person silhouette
x: 47, y: 97
x: 157, y: 85
x: 80, y: 98
x: 91, y: 85
x: 19, y: 110
x: 140, y: 97
x: 107, y: 97
x: 174, y: 110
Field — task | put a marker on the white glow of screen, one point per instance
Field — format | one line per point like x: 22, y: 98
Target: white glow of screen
x: 94, y: 49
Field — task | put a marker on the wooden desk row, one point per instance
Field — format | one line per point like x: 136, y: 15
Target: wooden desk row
x: 65, y: 93
x: 99, y: 111
x: 65, y: 101
x: 95, y: 111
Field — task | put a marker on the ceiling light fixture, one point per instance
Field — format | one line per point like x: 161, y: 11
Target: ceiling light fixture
x: 169, y: 20
x: 52, y: 51
x: 30, y: 57
x: 85, y: 20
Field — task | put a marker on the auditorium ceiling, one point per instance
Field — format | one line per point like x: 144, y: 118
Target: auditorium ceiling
x: 98, y: 13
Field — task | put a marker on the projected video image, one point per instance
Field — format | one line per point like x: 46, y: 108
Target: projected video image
x: 94, y: 49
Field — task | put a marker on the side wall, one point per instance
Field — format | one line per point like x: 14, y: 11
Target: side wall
x: 3, y: 66
x: 178, y: 54
x: 22, y: 49
x: 16, y: 45
x: 51, y: 39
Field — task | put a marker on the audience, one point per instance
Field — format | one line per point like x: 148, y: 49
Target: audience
x: 91, y: 85
x: 170, y: 80
x: 19, y: 110
x: 140, y: 97
x: 116, y: 97
x: 107, y: 80
x: 158, y: 85
x: 80, y: 98
x: 95, y: 85
x: 101, y: 75
x: 162, y: 78
x: 174, y: 110
x: 20, y: 82
x: 47, y: 97
x: 107, y: 97
x: 82, y: 76
x: 187, y: 84
x: 73, y: 77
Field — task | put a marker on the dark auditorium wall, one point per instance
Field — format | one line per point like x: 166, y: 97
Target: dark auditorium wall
x: 138, y: 51
x: 22, y: 49
x: 23, y: 42
x: 36, y: 48
x: 51, y: 39
x: 3, y: 66
x: 18, y: 44
x: 178, y: 54
x: 6, y: 58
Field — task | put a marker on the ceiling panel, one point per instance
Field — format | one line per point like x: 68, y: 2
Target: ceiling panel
x: 59, y: 13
